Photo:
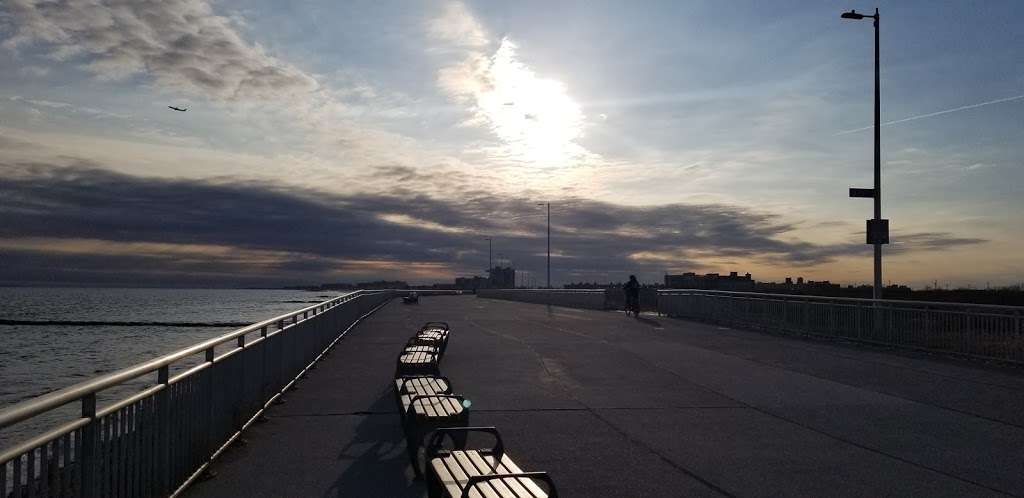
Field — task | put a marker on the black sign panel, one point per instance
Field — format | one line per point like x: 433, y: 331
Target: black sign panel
x: 862, y: 192
x: 878, y: 231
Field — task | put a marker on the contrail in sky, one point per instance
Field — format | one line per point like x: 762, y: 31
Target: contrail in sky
x: 937, y: 113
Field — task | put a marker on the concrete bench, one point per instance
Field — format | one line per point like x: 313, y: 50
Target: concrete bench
x: 425, y: 403
x: 479, y: 473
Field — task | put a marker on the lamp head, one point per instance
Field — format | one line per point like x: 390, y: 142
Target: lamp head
x: 852, y: 14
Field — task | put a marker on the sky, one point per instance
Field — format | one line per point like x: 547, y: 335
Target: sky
x: 349, y: 141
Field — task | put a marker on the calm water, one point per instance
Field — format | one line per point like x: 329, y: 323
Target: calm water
x: 36, y: 359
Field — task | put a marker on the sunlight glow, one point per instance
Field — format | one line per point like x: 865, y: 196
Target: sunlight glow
x: 534, y: 116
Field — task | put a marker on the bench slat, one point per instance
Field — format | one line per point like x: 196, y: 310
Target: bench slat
x: 483, y: 467
x: 521, y: 487
x: 509, y: 466
x: 451, y: 475
x: 433, y: 385
x: 455, y: 469
x: 486, y: 489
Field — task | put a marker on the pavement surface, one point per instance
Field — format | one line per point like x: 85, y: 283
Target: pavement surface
x: 612, y: 406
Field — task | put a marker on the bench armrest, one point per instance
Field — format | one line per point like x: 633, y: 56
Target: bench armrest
x: 412, y: 402
x: 437, y: 439
x: 407, y: 378
x: 541, y: 476
x: 443, y: 325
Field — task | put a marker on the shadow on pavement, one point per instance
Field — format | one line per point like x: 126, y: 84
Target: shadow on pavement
x: 649, y: 321
x: 376, y: 456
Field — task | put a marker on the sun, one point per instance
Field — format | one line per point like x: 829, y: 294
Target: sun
x: 533, y: 116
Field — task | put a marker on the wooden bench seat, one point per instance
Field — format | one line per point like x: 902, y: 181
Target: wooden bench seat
x: 423, y: 384
x: 433, y: 405
x: 423, y: 348
x: 480, y: 473
x: 427, y: 396
x: 437, y: 331
x: 417, y: 362
x: 430, y: 338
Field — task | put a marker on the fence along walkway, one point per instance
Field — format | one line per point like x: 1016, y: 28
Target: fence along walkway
x: 157, y: 441
x: 981, y: 331
x: 975, y: 330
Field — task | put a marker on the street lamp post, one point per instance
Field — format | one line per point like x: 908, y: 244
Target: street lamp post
x: 548, y: 204
x: 877, y: 228
x: 489, y: 265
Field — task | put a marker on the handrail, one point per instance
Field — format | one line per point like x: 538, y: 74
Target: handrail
x: 557, y: 291
x: 32, y: 407
x: 798, y: 297
x: 983, y: 331
x: 163, y: 438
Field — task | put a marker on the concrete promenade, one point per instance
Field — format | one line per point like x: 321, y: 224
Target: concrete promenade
x: 613, y: 406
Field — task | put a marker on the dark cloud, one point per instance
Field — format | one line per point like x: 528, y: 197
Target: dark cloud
x: 930, y: 241
x: 180, y: 43
x: 244, y: 233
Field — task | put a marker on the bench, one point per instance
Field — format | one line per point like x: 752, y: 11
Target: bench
x: 418, y: 361
x: 431, y: 338
x: 479, y: 473
x: 421, y: 384
x: 425, y: 403
x: 436, y: 331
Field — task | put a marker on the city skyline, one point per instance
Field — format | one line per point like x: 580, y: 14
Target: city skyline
x: 388, y: 140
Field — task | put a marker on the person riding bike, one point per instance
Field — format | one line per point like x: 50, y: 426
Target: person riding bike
x: 632, y: 290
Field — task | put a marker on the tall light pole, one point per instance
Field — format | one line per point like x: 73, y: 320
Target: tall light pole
x: 877, y: 228
x: 489, y: 265
x: 548, y: 204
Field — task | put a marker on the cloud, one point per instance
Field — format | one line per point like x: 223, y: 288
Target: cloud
x: 8, y: 143
x: 181, y: 44
x: 458, y: 26
x: 79, y: 223
x: 34, y: 71
x: 534, y: 119
x: 921, y: 241
x: 69, y: 107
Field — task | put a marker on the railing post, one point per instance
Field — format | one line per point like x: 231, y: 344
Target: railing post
x: 241, y: 412
x: 263, y: 364
x: 833, y: 317
x: 163, y: 399
x: 928, y: 339
x: 87, y: 465
x: 1018, y: 336
x: 210, y: 425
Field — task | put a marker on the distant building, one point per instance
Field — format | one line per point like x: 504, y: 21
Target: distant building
x: 471, y: 283
x: 710, y: 281
x: 502, y: 277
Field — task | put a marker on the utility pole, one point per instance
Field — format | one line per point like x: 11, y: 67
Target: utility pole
x: 490, y: 266
x: 877, y: 228
x: 549, y: 245
x: 878, y: 171
x: 548, y: 204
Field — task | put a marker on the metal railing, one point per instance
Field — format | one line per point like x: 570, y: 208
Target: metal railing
x: 159, y: 440
x: 975, y: 330
x: 572, y: 298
